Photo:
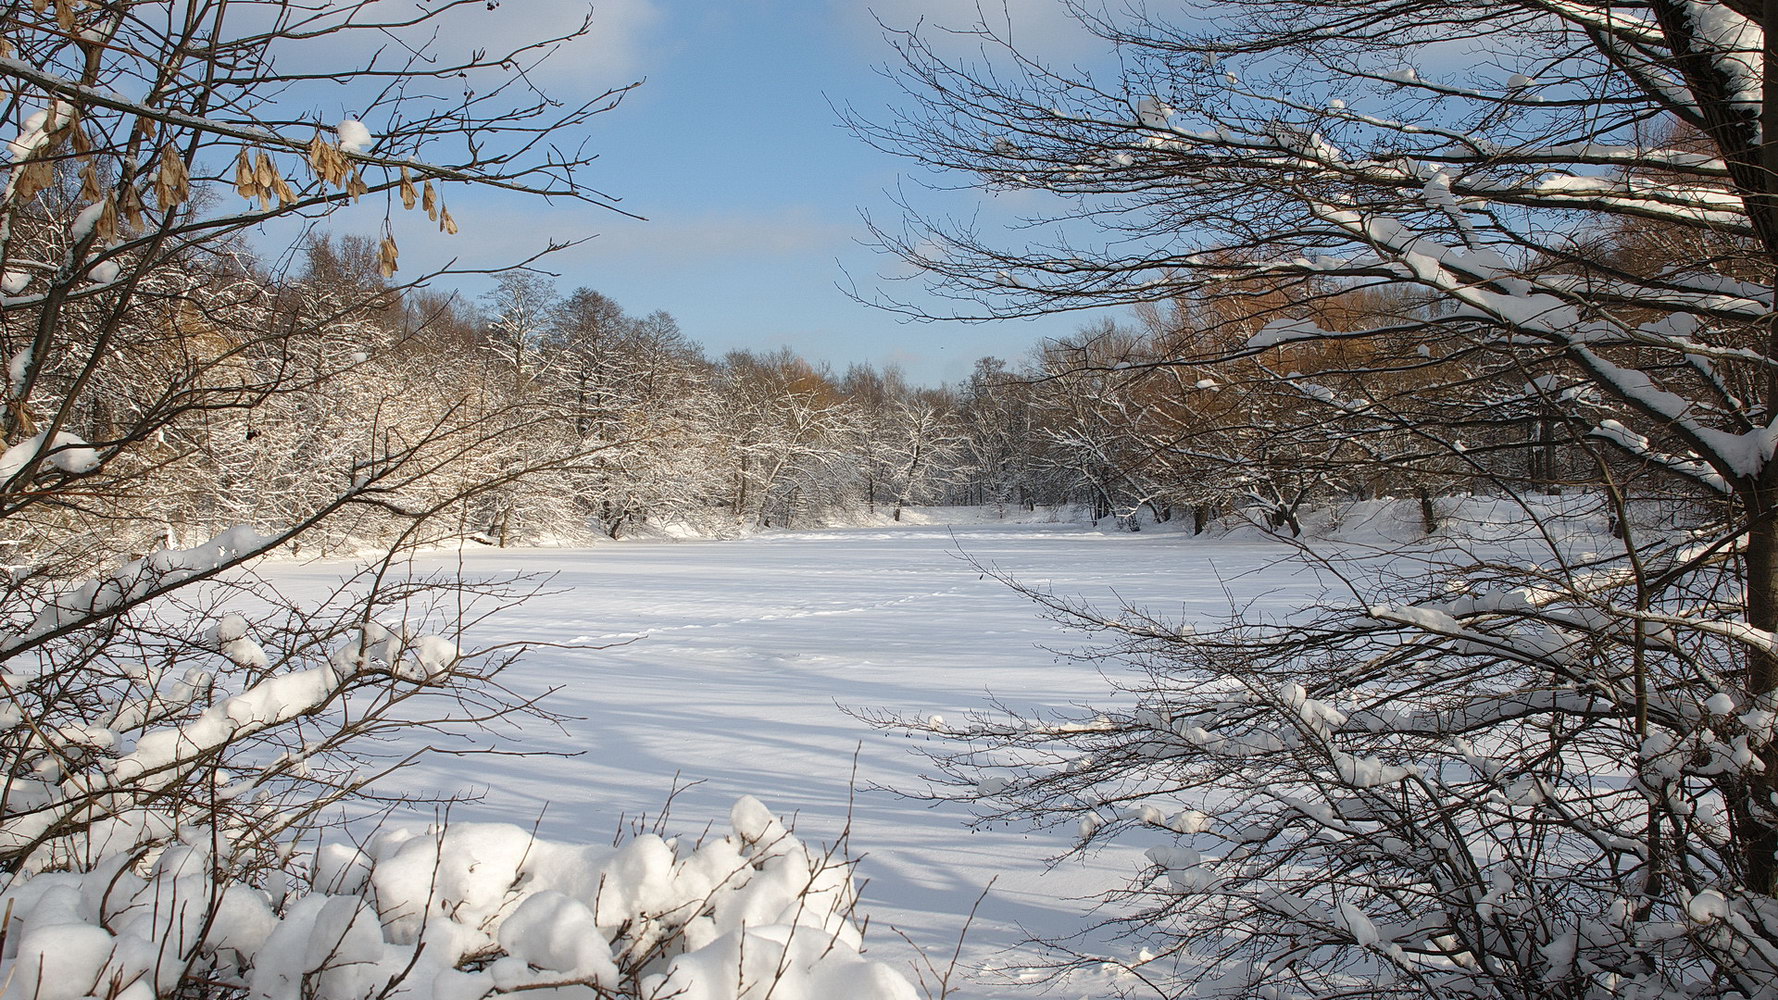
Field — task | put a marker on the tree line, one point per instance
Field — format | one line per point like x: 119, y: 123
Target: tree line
x: 534, y: 414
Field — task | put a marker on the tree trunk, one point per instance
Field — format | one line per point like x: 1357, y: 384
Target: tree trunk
x: 1754, y: 809
x: 1428, y: 512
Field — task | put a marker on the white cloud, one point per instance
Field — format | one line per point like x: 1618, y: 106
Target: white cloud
x: 738, y: 235
x: 502, y: 229
x: 1041, y: 28
x: 615, y: 45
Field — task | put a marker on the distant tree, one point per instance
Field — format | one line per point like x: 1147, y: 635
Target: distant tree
x: 520, y: 310
x: 926, y: 445
x: 780, y: 421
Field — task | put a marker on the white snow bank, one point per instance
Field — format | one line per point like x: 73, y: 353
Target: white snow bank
x: 461, y: 911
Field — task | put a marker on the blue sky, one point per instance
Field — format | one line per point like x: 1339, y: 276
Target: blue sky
x: 733, y: 151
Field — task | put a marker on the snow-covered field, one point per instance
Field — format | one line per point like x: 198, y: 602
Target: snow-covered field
x: 746, y: 655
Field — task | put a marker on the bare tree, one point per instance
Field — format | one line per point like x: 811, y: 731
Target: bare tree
x: 1507, y: 773
x: 164, y: 715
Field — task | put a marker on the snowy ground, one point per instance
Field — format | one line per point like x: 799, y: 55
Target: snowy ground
x: 747, y: 653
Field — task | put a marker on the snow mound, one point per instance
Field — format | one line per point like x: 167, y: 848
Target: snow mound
x: 462, y: 911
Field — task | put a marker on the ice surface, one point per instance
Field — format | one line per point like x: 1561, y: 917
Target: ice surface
x: 742, y: 655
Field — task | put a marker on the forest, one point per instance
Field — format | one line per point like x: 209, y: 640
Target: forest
x: 569, y: 419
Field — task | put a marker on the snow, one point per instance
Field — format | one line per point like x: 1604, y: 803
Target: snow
x: 85, y: 221
x: 521, y: 912
x: 67, y: 452
x: 136, y: 580
x: 1735, y: 44
x: 1153, y: 113
x: 354, y: 136
x: 740, y: 661
x: 1284, y: 331
x: 104, y: 272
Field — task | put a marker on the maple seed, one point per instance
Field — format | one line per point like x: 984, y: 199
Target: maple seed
x: 172, y: 184
x: 130, y: 204
x: 246, y: 180
x: 106, y: 228
x: 89, y: 184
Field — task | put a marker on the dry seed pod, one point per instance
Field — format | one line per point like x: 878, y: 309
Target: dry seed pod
x: 106, y: 228
x: 285, y: 195
x: 429, y: 201
x: 408, y: 195
x: 264, y: 172
x: 327, y: 162
x: 356, y: 186
x: 89, y: 183
x: 130, y: 204
x: 246, y: 182
x: 172, y: 185
x: 65, y: 15
x: 317, y: 155
x: 446, y: 223
x: 390, y: 254
x: 39, y: 5
x: 31, y: 178
x: 21, y: 417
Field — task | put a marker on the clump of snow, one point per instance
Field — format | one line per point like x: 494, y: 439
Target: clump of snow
x: 229, y: 637
x: 354, y: 136
x: 67, y: 452
x: 104, y: 272
x: 1735, y: 45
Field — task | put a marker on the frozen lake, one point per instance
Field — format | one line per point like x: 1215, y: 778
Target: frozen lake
x: 746, y: 654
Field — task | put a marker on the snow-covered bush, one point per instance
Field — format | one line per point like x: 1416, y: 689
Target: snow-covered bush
x: 461, y: 912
